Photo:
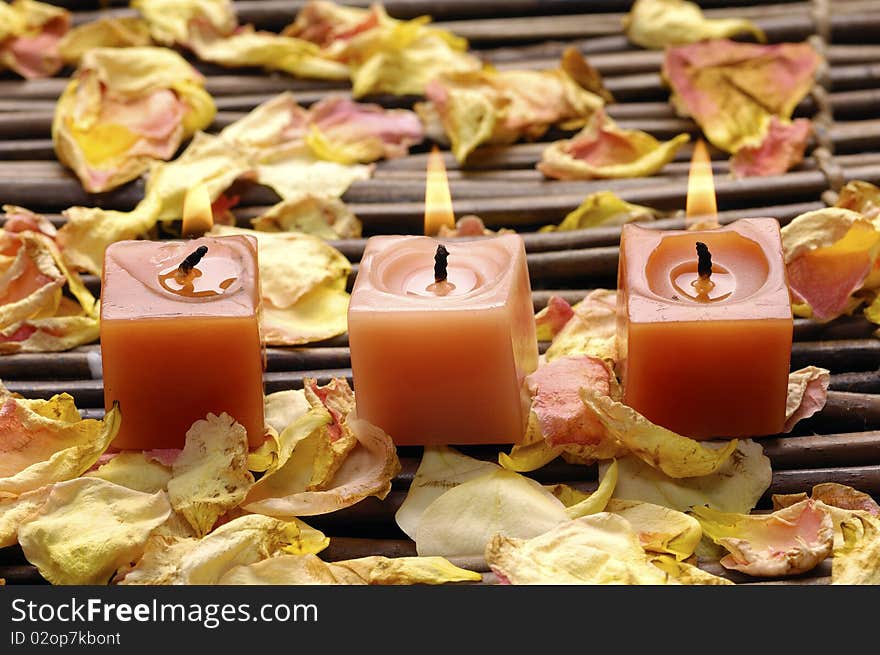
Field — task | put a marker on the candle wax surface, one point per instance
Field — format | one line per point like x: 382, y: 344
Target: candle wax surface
x: 176, y: 346
x: 439, y: 369
x: 709, y: 364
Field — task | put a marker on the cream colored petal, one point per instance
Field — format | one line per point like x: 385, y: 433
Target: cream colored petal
x: 441, y: 469
x: 787, y: 542
x: 675, y: 455
x: 88, y: 528
x: 463, y: 520
x: 857, y: 559
x: 15, y: 512
x: 292, y: 264
x: 660, y: 529
x: 591, y: 331
x: 245, y: 540
x: 210, y: 475
x: 320, y: 216
x: 659, y: 23
x: 599, y: 499
x: 134, y: 470
x: 284, y: 407
x: 597, y: 549
x: 807, y: 392
x: 685, y: 573
x: 376, y: 570
x: 735, y: 487
x: 366, y: 471
x: 318, y: 315
x: 45, y: 450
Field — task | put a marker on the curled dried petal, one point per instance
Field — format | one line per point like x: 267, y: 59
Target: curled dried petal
x: 597, y: 549
x: 787, y: 542
x: 603, y: 150
x: 675, y: 455
x: 829, y: 255
x: 659, y: 23
x: 88, y: 528
x: 733, y: 89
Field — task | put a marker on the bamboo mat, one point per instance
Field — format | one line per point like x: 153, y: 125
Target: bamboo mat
x: 501, y: 184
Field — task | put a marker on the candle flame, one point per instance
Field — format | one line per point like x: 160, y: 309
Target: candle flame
x: 438, y: 201
x: 198, y: 217
x: 702, y: 210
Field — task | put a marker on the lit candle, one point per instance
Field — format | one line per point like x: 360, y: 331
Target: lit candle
x: 442, y: 335
x: 180, y: 337
x: 705, y: 324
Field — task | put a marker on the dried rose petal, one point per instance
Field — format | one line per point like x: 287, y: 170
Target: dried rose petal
x: 29, y: 36
x: 603, y: 150
x: 556, y: 399
x: 550, y: 320
x: 733, y: 89
x: 787, y: 542
x: 782, y: 148
x: 660, y: 23
x: 829, y: 254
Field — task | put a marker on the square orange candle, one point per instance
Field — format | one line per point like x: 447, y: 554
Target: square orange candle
x: 443, y: 362
x: 180, y: 337
x: 705, y: 354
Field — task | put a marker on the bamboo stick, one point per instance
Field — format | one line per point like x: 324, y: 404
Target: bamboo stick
x: 858, y: 357
x: 863, y: 478
x: 826, y: 450
x: 399, y: 207
x: 566, y: 240
x: 530, y: 212
x: 275, y: 14
x: 782, y: 21
x: 379, y: 515
x: 842, y: 411
x: 343, y: 548
x: 523, y: 154
x: 840, y: 355
x: 29, y: 119
x: 27, y: 149
x: 90, y: 393
x: 619, y: 57
x: 606, y: 235
x: 536, y: 242
x: 847, y: 20
x: 561, y: 268
x: 15, y: 574
x: 679, y: 166
x: 42, y: 105
x: 820, y: 575
x: 641, y: 85
x: 58, y: 188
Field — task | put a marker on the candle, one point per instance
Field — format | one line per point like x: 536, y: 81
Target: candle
x: 442, y: 336
x: 180, y: 337
x: 705, y: 328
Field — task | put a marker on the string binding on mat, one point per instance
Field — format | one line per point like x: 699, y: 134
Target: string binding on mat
x: 823, y: 118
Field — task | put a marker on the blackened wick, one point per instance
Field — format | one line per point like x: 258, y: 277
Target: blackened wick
x: 704, y: 263
x: 440, y: 263
x: 192, y: 259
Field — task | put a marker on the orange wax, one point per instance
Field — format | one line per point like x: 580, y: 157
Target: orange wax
x: 443, y: 363
x: 705, y: 360
x: 175, y: 344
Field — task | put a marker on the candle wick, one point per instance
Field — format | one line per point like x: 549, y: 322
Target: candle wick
x: 191, y: 260
x: 440, y: 263
x: 704, y: 261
